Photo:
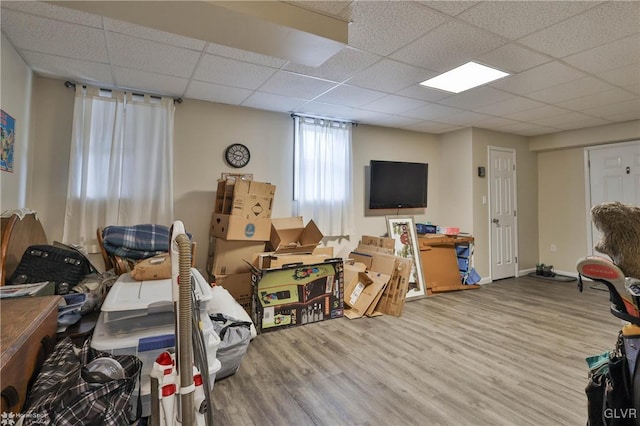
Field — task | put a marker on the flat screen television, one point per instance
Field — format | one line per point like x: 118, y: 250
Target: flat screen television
x: 398, y: 185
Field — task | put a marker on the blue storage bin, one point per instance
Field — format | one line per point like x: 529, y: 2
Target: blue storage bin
x: 462, y: 251
x: 423, y: 228
x: 463, y: 264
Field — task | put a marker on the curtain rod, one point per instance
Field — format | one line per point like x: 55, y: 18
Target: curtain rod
x: 70, y: 85
x: 353, y: 123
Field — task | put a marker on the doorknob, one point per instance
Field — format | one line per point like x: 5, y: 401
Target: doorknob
x: 496, y: 221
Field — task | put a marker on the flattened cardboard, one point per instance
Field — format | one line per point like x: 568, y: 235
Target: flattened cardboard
x: 289, y: 235
x: 363, y: 292
x: 230, y: 227
x: 385, y: 242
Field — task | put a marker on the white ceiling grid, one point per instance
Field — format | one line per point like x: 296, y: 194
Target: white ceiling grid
x: 574, y: 64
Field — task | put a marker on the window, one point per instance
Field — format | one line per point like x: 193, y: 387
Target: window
x: 323, y: 178
x: 120, y: 166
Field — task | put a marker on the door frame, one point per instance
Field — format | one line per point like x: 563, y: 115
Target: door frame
x: 491, y: 148
x: 587, y: 186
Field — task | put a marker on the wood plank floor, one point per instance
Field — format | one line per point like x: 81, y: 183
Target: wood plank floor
x: 510, y: 353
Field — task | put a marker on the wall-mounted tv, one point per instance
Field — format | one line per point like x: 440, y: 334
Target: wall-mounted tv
x: 398, y: 185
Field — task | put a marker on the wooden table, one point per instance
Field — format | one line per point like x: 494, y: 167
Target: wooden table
x: 27, y: 337
x: 440, y: 262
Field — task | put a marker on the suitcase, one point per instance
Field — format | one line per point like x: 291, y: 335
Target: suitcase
x: 41, y: 263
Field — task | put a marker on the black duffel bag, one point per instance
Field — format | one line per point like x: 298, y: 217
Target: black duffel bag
x: 40, y: 263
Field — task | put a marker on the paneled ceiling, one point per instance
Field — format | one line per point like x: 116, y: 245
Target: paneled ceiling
x: 573, y: 64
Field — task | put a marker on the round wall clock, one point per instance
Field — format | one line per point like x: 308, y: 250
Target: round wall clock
x: 237, y: 155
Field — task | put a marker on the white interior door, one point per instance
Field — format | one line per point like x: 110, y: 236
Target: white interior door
x: 502, y: 212
x: 614, y: 175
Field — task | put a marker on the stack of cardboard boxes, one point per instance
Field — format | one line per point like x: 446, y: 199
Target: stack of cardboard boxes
x: 296, y: 282
x: 240, y: 227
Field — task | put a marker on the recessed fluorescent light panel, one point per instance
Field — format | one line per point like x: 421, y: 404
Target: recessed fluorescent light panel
x: 464, y: 77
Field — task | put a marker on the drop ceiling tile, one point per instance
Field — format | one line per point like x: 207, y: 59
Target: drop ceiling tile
x: 216, y: 93
x: 423, y: 93
x: 538, y: 78
x: 368, y: 117
x: 327, y: 110
x: 216, y: 69
x: 515, y: 19
x: 328, y: 7
x: 149, y: 82
x: 47, y: 10
x: 571, y: 120
x: 452, y: 8
x: 431, y: 127
x: 476, y: 98
x: 596, y: 100
x: 628, y: 76
x: 494, y: 122
x: 625, y: 116
x: 349, y: 95
x: 245, y: 56
x: 632, y: 106
x: 390, y: 76
x: 570, y: 90
x: 152, y: 34
x: 340, y: 67
x: 526, y: 129
x: 374, y: 24
x: 394, y: 104
x: 513, y: 58
x: 448, y: 46
x: 44, y: 35
x: 597, y: 26
x: 609, y: 56
x: 431, y: 112
x: 299, y: 86
x: 509, y: 106
x: 464, y: 118
x: 151, y: 56
x: 396, y: 121
x: 76, y: 70
x: 272, y: 102
x: 536, y: 113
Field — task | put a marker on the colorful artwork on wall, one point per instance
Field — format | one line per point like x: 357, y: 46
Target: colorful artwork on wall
x: 8, y: 130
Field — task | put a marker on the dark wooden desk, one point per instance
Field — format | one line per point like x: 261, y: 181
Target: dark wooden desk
x: 27, y: 337
x: 440, y: 262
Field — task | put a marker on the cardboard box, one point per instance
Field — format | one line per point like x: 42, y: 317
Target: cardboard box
x: 231, y: 257
x: 239, y: 286
x: 277, y: 260
x: 293, y: 296
x: 230, y: 227
x: 289, y: 235
x: 244, y: 198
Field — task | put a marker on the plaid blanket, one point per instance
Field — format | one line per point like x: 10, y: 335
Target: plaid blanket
x: 62, y: 396
x: 137, y: 241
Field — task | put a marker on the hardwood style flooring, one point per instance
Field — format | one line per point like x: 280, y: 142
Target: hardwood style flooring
x: 510, y: 353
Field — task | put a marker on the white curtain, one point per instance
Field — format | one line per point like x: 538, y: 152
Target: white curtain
x: 120, y: 166
x: 323, y: 181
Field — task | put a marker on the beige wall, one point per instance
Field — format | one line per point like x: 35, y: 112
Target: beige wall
x: 562, y: 213
x: 527, y: 189
x: 15, y: 99
x: 456, y: 189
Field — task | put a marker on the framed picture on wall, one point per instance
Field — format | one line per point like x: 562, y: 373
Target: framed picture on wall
x: 403, y: 230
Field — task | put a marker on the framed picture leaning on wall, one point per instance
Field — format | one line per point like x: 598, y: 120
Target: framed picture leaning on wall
x: 403, y: 230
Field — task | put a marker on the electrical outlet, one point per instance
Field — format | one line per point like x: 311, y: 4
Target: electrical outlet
x: 553, y: 247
